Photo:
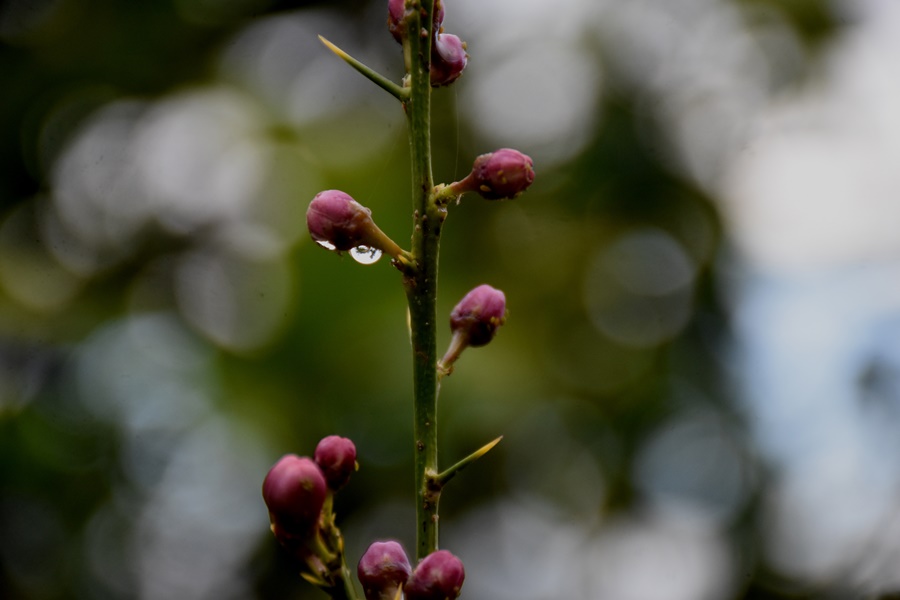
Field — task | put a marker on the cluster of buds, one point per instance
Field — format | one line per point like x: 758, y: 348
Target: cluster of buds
x: 448, y: 52
x: 384, y: 570
x: 474, y: 322
x: 298, y: 492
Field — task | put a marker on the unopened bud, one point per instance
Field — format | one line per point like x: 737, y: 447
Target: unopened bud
x: 383, y: 570
x: 448, y: 59
x: 294, y: 491
x: 396, y: 23
x: 438, y: 16
x: 336, y: 457
x: 479, y: 314
x: 439, y: 576
x: 474, y: 322
x: 338, y: 222
x: 505, y: 173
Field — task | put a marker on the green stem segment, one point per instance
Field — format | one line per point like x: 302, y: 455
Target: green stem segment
x: 325, y: 555
x: 345, y: 590
x: 421, y: 282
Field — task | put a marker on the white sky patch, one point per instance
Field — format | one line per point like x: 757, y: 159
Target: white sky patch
x: 818, y: 185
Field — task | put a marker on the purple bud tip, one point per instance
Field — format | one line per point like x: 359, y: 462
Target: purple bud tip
x: 294, y: 491
x: 505, y: 173
x: 448, y: 59
x: 336, y: 457
x: 396, y: 24
x: 382, y: 570
x: 439, y: 576
x: 438, y: 15
x: 479, y: 314
x: 338, y: 222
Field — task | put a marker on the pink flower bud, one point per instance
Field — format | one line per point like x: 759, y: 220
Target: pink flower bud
x: 294, y: 491
x: 479, y: 314
x: 448, y: 59
x: 382, y: 570
x: 438, y: 16
x: 505, y: 173
x: 338, y: 222
x: 474, y: 322
x: 439, y: 576
x: 396, y: 23
x: 336, y: 457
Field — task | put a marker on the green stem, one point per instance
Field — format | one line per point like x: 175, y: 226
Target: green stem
x: 344, y: 590
x: 421, y: 282
x: 330, y: 550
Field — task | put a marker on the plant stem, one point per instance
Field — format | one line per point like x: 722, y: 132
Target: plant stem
x: 421, y: 282
x: 345, y: 589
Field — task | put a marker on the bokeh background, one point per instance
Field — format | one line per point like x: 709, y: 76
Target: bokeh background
x: 699, y: 379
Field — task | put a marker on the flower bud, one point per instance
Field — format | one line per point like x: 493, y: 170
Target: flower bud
x: 479, y: 314
x: 505, y: 173
x: 448, y: 59
x: 294, y: 491
x: 439, y: 576
x: 474, y: 322
x: 396, y: 23
x: 437, y: 16
x: 383, y: 570
x: 336, y: 457
x: 338, y: 222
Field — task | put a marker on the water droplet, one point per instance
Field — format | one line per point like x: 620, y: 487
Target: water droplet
x: 365, y: 255
x: 325, y: 244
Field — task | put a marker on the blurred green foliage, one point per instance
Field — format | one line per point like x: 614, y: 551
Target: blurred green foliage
x: 559, y: 389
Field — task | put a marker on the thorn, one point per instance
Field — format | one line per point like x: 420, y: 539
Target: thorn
x: 442, y: 478
x: 400, y: 93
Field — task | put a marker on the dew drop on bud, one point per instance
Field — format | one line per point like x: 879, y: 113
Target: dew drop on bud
x: 326, y: 245
x: 365, y: 255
